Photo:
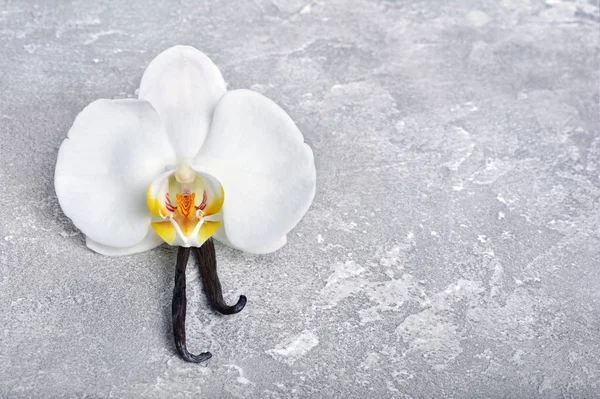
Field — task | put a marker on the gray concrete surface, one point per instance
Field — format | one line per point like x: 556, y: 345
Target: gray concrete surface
x: 453, y: 248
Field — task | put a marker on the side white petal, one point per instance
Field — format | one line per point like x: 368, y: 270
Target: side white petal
x: 265, y: 249
x: 152, y: 240
x: 184, y: 86
x: 271, y: 247
x: 267, y: 171
x: 113, y: 151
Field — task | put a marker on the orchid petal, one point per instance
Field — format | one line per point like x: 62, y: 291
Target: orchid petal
x: 184, y: 86
x: 113, y: 149
x: 265, y: 249
x: 152, y: 240
x: 267, y: 171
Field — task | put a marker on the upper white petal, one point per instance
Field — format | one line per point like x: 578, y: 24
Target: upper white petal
x: 184, y: 86
x: 113, y: 151
x: 267, y: 171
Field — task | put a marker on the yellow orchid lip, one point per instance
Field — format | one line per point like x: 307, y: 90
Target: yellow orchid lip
x: 183, y: 200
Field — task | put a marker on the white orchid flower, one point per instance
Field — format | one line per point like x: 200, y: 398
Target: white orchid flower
x: 185, y: 161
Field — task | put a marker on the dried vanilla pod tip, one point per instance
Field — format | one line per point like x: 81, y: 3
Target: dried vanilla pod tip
x: 179, y: 310
x: 207, y: 262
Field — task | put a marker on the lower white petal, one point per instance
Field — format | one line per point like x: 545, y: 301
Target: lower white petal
x: 113, y: 150
x: 267, y: 171
x: 265, y: 249
x: 152, y: 240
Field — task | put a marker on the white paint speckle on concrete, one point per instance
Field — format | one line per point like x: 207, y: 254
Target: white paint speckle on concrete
x: 293, y: 348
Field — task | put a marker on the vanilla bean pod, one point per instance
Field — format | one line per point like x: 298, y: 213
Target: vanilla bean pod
x: 207, y: 262
x: 179, y: 308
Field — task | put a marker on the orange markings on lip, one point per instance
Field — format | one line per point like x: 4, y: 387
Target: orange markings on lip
x: 186, y: 217
x: 185, y: 204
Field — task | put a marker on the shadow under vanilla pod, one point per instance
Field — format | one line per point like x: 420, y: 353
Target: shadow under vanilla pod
x: 185, y: 162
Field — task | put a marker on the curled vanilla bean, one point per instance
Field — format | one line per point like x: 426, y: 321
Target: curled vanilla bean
x: 179, y: 308
x: 207, y: 262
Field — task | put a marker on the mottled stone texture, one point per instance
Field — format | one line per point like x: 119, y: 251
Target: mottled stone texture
x: 453, y: 248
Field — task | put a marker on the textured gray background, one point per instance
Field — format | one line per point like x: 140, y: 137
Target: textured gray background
x: 453, y: 248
